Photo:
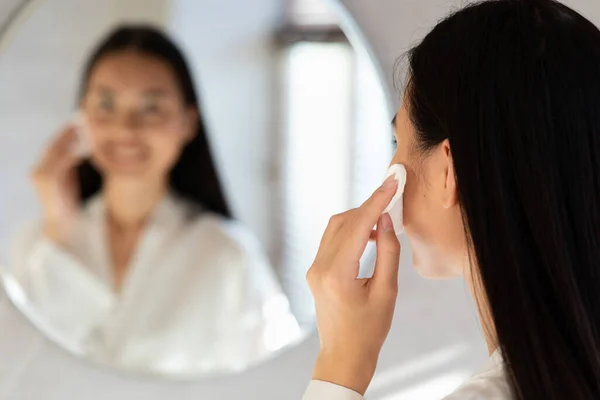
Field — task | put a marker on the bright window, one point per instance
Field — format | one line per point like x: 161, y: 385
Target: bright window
x: 336, y: 138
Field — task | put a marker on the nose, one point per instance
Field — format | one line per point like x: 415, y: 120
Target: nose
x: 131, y: 120
x: 129, y: 124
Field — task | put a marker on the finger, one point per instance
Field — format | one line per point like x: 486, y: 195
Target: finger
x: 373, y: 236
x: 57, y: 163
x: 385, y: 277
x: 60, y: 141
x: 370, y: 211
x: 62, y: 146
x: 69, y: 184
x: 58, y: 169
x: 333, y: 227
x: 63, y: 138
x: 66, y: 163
x: 357, y: 230
x: 326, y: 248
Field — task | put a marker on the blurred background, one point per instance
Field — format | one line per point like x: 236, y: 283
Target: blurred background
x: 287, y: 164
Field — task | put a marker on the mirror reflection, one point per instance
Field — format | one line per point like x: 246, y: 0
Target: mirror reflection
x: 137, y: 257
x: 171, y: 182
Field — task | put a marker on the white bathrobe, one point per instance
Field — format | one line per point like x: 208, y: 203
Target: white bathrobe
x: 490, y: 383
x: 199, y: 296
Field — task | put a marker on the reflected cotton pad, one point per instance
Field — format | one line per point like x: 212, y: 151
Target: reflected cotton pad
x: 395, y: 208
x: 82, y: 147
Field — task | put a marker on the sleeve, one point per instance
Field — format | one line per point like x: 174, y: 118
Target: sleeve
x: 318, y: 390
x: 54, y: 289
x: 482, y: 388
x: 279, y: 326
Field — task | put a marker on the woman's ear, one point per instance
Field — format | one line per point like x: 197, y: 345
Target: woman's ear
x: 450, y: 195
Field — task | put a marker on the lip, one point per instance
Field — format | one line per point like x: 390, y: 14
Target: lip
x: 126, y: 154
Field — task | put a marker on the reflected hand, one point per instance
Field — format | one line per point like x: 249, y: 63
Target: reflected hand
x: 354, y: 316
x: 54, y: 178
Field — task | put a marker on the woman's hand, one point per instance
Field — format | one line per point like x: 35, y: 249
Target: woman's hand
x: 354, y: 315
x: 54, y: 178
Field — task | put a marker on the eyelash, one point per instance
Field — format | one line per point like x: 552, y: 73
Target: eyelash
x: 394, y: 142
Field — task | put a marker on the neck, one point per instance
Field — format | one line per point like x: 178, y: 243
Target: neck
x: 485, y: 315
x: 129, y: 201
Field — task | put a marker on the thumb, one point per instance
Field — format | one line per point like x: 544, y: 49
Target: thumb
x: 388, y: 256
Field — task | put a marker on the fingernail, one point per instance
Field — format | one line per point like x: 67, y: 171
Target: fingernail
x: 386, y: 222
x: 389, y: 184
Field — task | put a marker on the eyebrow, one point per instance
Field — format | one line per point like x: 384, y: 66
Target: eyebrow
x: 101, y: 89
x: 157, y: 93
x: 394, y: 120
x: 154, y: 92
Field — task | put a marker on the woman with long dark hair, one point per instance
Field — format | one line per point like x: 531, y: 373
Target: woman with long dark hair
x: 137, y: 261
x: 499, y: 132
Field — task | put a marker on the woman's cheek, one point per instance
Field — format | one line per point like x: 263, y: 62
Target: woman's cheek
x: 409, y: 198
x: 167, y: 144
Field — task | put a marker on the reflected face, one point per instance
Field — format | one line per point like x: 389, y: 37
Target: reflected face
x: 135, y: 114
x: 432, y: 215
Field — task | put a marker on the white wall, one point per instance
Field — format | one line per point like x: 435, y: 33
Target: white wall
x: 435, y: 333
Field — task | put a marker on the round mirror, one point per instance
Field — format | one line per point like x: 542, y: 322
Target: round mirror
x: 171, y: 165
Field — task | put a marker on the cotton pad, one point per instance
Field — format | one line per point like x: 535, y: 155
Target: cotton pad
x: 395, y: 208
x: 82, y: 147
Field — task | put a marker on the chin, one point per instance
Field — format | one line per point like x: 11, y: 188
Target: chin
x: 124, y: 170
x: 130, y: 170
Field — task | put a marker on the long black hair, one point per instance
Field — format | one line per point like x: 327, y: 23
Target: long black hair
x: 194, y: 176
x: 514, y: 85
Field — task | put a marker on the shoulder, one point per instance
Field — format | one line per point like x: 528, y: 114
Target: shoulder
x: 482, y: 389
x: 26, y: 236
x: 235, y: 245
x: 488, y: 384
